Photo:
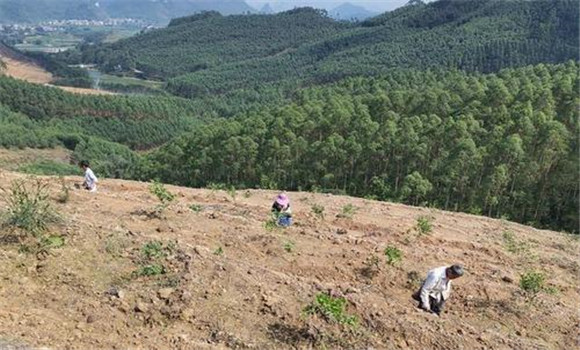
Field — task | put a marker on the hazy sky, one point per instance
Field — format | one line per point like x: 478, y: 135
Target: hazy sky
x: 374, y: 5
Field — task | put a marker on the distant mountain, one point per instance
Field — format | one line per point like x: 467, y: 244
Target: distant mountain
x: 158, y: 11
x: 211, y: 54
x: 267, y: 9
x: 348, y: 12
x: 34, y: 11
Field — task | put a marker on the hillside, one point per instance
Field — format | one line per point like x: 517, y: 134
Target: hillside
x: 481, y: 35
x: 35, y: 11
x: 231, y: 283
x: 209, y: 40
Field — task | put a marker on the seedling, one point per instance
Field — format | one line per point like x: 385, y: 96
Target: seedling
x: 318, y: 210
x: 52, y: 242
x: 532, y: 282
x: 153, y: 250
x: 424, y: 225
x: 289, y: 246
x: 393, y: 254
x: 348, y: 211
x: 196, y: 208
x: 512, y: 245
x: 270, y: 224
x: 151, y: 270
x: 332, y: 309
x: 158, y: 190
x: 219, y: 251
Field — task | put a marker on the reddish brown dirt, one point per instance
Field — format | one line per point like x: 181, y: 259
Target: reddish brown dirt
x: 253, y: 295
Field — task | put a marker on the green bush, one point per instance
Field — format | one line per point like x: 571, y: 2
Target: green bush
x: 151, y: 270
x: 158, y: 190
x: 394, y: 255
x: 348, y: 211
x: 153, y: 250
x: 28, y: 207
x: 532, y: 282
x: 331, y: 309
x: 424, y: 225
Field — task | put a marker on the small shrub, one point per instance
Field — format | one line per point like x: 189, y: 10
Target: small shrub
x: 153, y: 250
x: 424, y: 225
x: 219, y: 251
x: 512, y: 245
x: 348, y: 211
x: 196, y: 208
x: 64, y: 194
x: 394, y: 255
x: 52, y: 242
x: 232, y: 193
x: 289, y: 246
x: 214, y: 187
x: 28, y: 207
x: 158, y: 190
x: 151, y: 270
x: 532, y: 282
x: 270, y: 224
x: 318, y: 210
x: 331, y: 309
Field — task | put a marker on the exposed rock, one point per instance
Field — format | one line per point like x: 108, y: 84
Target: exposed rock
x: 165, y: 293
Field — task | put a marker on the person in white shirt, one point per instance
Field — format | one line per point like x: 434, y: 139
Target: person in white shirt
x: 90, y: 180
x: 437, y: 287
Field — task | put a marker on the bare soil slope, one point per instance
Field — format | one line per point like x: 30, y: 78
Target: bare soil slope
x: 230, y: 282
x: 20, y: 67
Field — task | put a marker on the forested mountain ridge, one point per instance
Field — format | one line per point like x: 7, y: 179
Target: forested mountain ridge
x: 209, y: 40
x: 35, y: 11
x: 479, y: 35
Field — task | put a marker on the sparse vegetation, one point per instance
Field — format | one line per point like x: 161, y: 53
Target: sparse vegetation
x: 158, y: 190
x: 318, y: 210
x: 64, y: 194
x: 532, y: 282
x: 196, y: 208
x: 424, y: 225
x: 512, y: 245
x: 28, y: 207
x: 289, y: 246
x: 52, y: 242
x: 232, y: 192
x: 394, y: 255
x: 151, y: 270
x: 152, y: 256
x: 331, y: 309
x: 153, y: 250
x: 348, y: 211
x: 219, y: 251
x: 271, y: 224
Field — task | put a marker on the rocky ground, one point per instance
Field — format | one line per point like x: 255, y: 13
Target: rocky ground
x: 209, y: 273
